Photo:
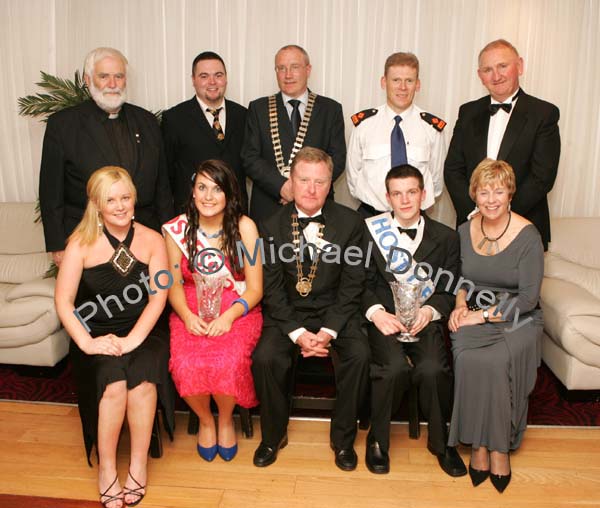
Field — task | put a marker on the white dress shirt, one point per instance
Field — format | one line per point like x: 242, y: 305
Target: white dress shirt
x: 370, y: 155
x: 301, y: 107
x: 209, y: 116
x: 498, y: 124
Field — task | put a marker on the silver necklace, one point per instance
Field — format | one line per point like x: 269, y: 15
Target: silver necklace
x: 210, y: 235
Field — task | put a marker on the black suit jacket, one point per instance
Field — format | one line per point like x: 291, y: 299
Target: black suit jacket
x: 531, y: 145
x: 325, y: 131
x: 75, y: 145
x: 190, y: 140
x: 335, y: 297
x: 440, y: 248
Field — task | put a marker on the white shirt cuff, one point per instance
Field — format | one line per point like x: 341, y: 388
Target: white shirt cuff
x: 295, y: 334
x: 331, y: 332
x: 372, y: 310
x: 435, y: 314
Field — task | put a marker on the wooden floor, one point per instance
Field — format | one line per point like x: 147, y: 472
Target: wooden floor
x: 41, y: 454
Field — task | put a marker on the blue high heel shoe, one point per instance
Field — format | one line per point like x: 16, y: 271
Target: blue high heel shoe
x: 227, y: 454
x: 208, y: 454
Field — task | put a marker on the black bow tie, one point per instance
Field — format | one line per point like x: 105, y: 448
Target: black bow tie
x: 412, y: 233
x: 495, y: 107
x: 305, y: 221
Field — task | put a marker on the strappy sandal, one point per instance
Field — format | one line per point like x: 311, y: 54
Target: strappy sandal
x: 134, y: 492
x: 110, y: 498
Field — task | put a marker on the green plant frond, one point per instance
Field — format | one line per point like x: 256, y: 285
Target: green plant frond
x: 61, y: 94
x: 37, y: 212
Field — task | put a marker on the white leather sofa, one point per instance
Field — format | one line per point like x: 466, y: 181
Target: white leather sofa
x: 30, y: 331
x: 570, y: 299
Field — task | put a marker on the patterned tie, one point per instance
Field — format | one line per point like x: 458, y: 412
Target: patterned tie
x: 398, y: 144
x: 295, y: 118
x: 217, y: 129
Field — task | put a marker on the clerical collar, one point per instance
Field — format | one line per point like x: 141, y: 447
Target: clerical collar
x: 205, y: 106
x: 510, y: 100
x: 303, y: 98
x: 301, y: 214
x: 104, y: 115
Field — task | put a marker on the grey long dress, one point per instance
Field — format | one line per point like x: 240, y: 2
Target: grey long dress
x: 495, y: 364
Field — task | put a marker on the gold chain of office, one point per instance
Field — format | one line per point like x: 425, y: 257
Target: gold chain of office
x: 304, y: 284
x: 298, y: 142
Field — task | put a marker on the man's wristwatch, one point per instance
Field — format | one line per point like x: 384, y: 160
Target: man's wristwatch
x: 486, y: 316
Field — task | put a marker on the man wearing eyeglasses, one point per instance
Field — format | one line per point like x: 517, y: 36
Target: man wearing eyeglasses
x: 279, y: 125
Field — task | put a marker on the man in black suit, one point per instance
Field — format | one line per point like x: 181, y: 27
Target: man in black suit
x: 506, y: 125
x: 311, y: 304
x: 396, y: 364
x: 207, y: 126
x: 279, y: 125
x: 104, y: 131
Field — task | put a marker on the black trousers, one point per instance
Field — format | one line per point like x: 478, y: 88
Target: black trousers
x: 391, y: 374
x: 271, y: 368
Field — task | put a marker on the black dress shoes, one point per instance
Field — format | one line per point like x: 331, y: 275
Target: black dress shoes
x: 478, y: 475
x: 378, y: 461
x: 345, y: 458
x: 451, y: 462
x: 265, y: 455
x: 500, y: 482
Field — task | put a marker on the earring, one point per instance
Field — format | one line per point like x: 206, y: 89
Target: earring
x: 132, y: 218
x: 509, y: 206
x: 99, y: 223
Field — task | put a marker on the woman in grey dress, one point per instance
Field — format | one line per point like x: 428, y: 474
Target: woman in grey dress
x: 496, y: 326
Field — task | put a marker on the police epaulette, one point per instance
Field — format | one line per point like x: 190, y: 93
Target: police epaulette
x: 437, y: 123
x: 365, y: 113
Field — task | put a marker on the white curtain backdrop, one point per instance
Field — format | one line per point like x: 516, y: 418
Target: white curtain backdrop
x: 348, y: 41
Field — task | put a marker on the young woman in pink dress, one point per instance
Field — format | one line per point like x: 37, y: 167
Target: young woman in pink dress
x: 212, y: 359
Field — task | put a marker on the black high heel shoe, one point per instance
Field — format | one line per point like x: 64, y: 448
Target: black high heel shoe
x: 500, y: 481
x: 137, y: 492
x: 478, y: 475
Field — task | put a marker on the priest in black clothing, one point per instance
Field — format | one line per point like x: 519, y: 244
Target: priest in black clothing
x: 402, y: 239
x: 311, y: 306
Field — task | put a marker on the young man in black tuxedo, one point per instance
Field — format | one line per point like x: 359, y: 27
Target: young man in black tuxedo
x: 311, y: 306
x: 103, y: 131
x: 394, y: 365
x: 279, y: 125
x: 507, y: 125
x: 207, y: 126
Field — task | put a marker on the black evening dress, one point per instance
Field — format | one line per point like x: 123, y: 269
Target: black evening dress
x: 148, y: 362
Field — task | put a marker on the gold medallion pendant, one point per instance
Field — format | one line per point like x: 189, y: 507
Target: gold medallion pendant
x: 304, y: 286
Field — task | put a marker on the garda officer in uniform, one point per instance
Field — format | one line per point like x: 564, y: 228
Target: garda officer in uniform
x: 399, y: 132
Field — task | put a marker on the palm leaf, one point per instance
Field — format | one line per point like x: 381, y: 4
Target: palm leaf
x: 60, y: 94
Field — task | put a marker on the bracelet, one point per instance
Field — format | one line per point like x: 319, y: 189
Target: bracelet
x: 244, y: 303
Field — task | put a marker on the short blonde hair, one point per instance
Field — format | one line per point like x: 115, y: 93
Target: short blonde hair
x: 495, y: 173
x: 314, y: 156
x: 98, y: 189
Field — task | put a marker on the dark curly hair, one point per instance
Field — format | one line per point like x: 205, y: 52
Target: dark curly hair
x: 220, y: 173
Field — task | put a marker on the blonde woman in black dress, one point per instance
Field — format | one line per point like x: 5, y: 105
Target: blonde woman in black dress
x: 119, y: 357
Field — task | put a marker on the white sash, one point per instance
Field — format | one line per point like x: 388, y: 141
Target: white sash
x: 176, y: 230
x: 399, y: 261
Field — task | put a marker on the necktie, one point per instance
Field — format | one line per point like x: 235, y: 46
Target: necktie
x: 295, y: 118
x: 495, y: 107
x: 305, y: 221
x: 412, y: 233
x: 398, y: 144
x: 217, y: 129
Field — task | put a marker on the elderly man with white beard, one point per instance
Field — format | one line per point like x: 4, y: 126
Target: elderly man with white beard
x: 103, y: 131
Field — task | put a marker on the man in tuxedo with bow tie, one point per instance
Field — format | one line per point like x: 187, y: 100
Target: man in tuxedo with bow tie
x: 507, y: 125
x: 103, y: 131
x: 207, y: 126
x: 394, y: 365
x: 279, y: 125
x: 311, y: 306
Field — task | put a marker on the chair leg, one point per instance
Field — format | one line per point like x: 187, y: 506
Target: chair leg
x: 156, y: 449
x: 193, y: 423
x: 414, y: 428
x: 246, y: 421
